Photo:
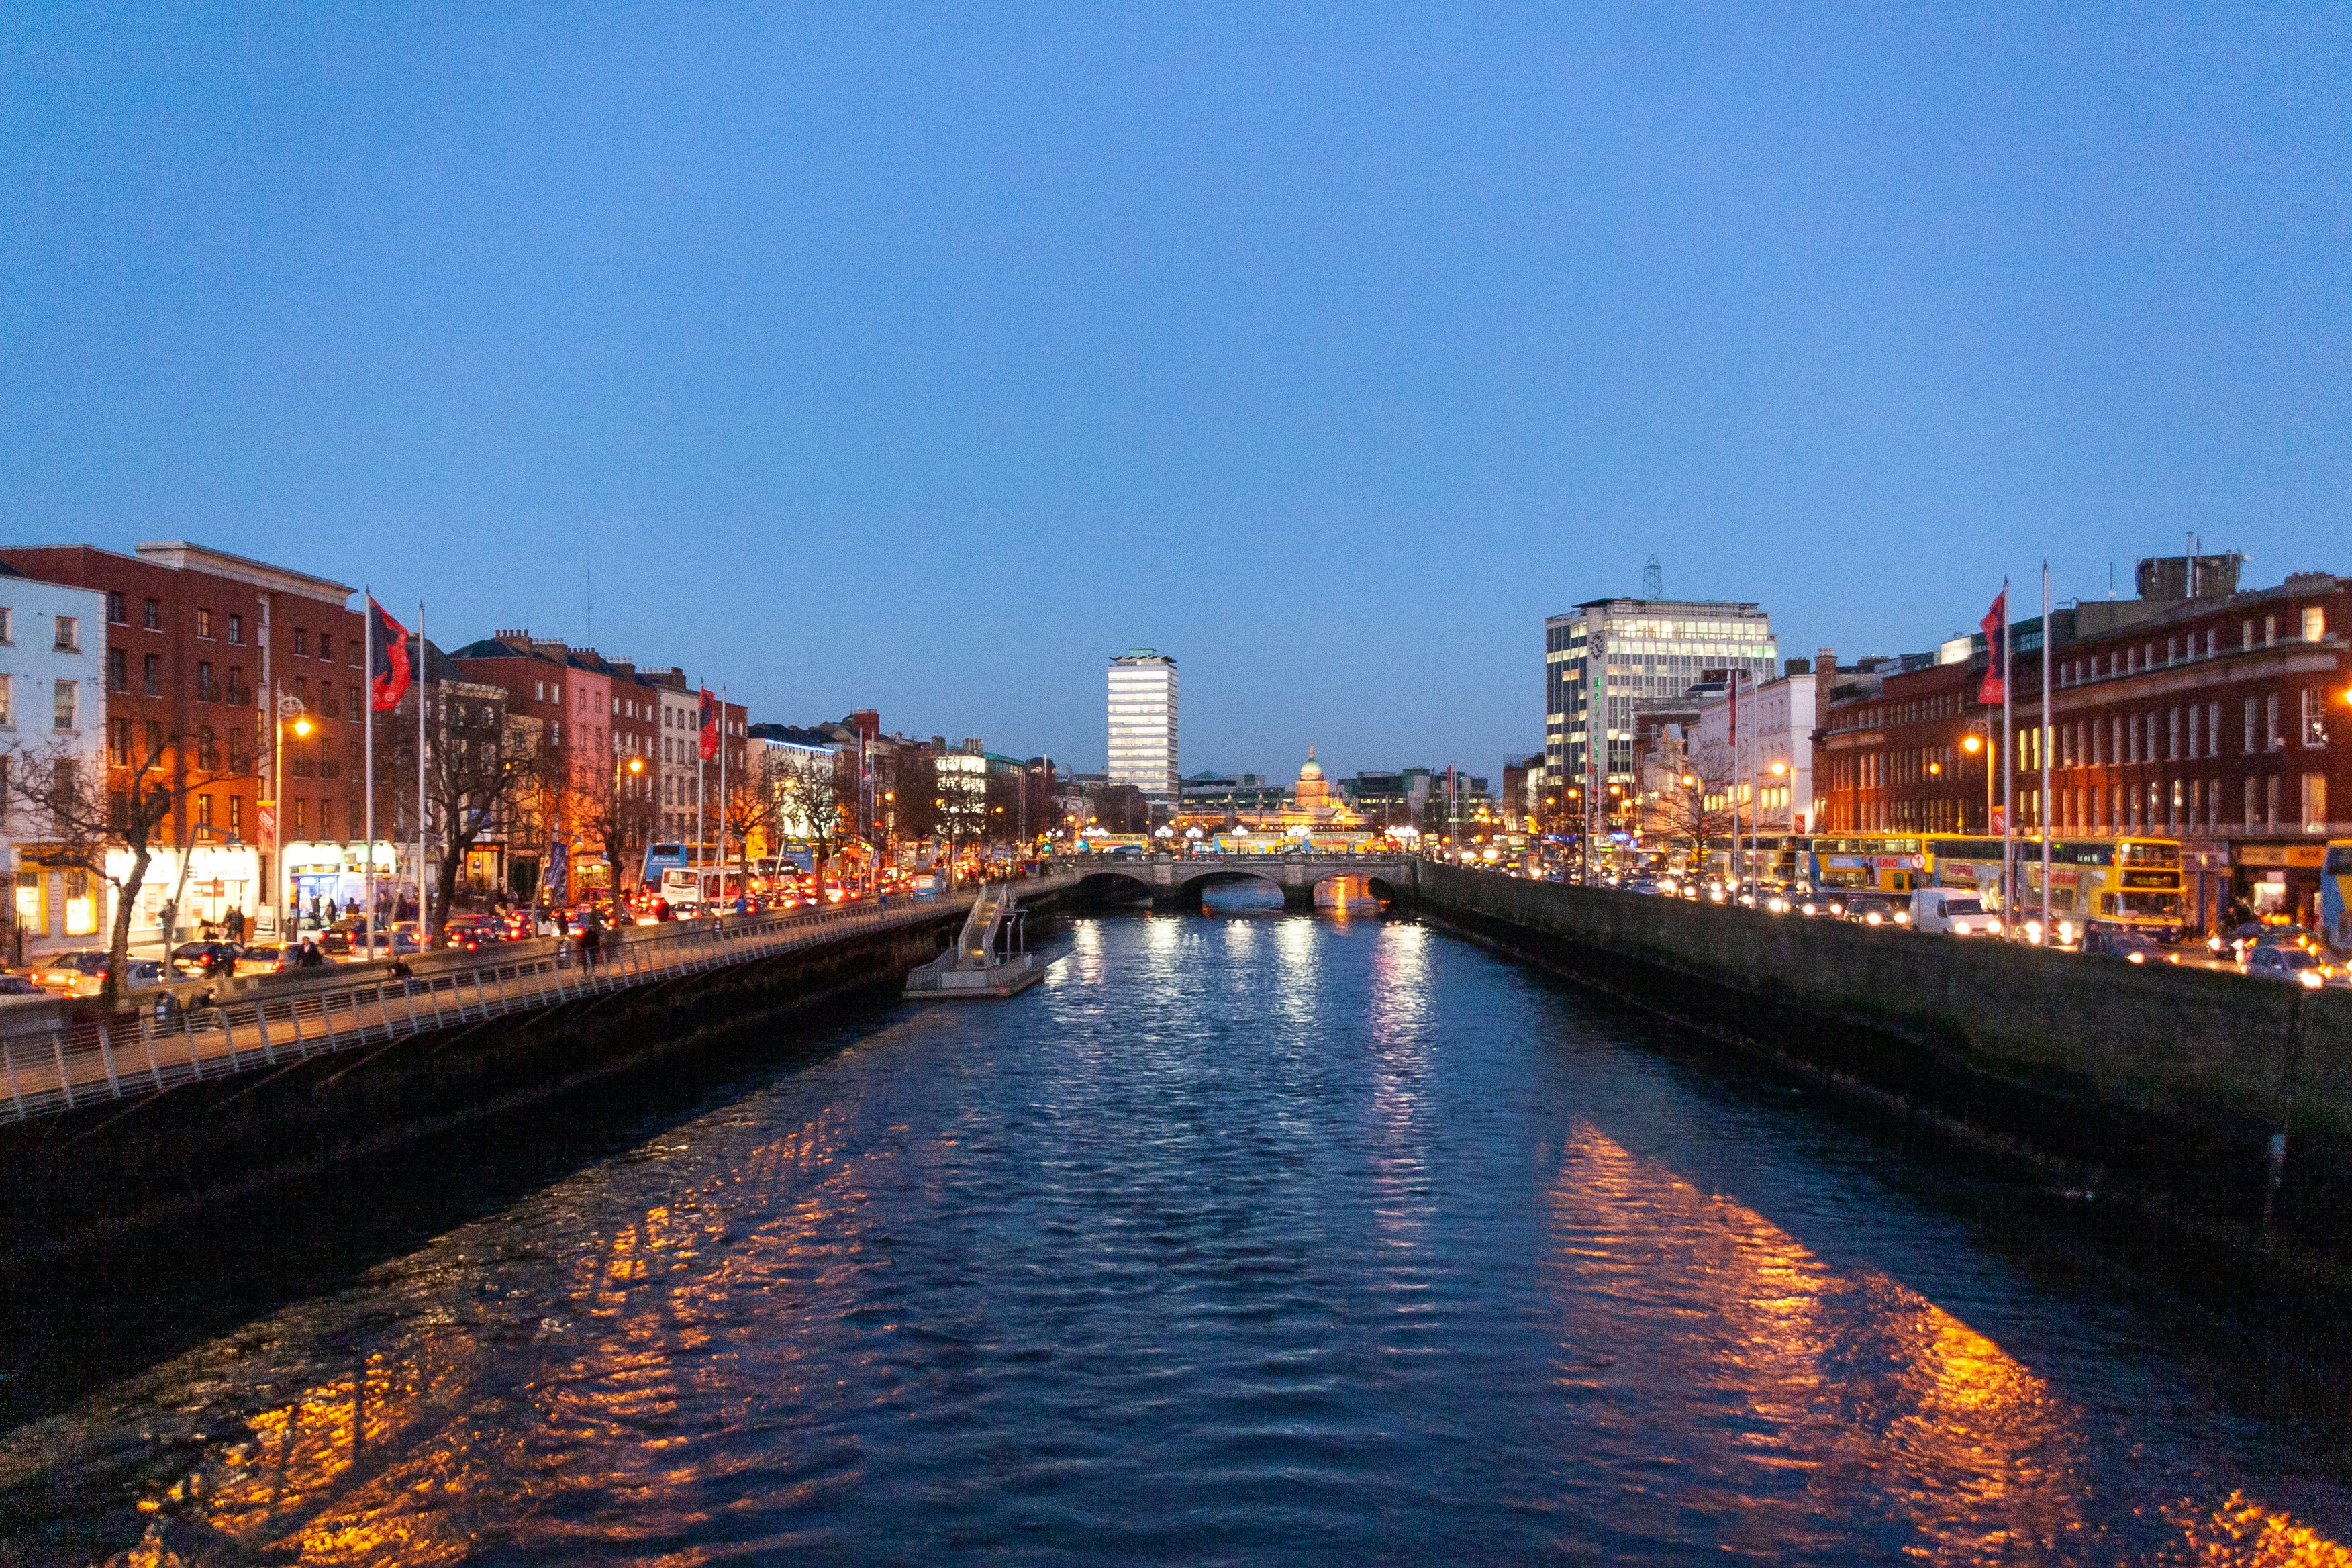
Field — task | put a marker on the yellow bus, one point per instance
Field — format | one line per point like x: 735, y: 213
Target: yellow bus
x: 2132, y: 882
x: 2336, y: 895
x: 1868, y: 864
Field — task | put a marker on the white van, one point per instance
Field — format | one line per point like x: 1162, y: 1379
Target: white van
x: 1954, y: 912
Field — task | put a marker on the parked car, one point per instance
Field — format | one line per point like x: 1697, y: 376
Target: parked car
x: 268, y: 958
x: 1952, y: 912
x: 2294, y: 964
x: 2124, y: 943
x: 472, y: 933
x: 76, y: 973
x: 1876, y: 910
x: 192, y: 958
x: 19, y: 985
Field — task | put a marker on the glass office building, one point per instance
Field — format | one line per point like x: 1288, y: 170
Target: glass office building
x: 1143, y: 723
x: 1604, y: 661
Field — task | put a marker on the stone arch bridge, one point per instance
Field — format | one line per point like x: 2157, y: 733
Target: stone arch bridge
x: 1176, y: 882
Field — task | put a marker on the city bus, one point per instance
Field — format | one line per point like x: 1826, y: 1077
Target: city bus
x: 661, y: 857
x: 1873, y: 864
x: 2133, y: 882
x: 688, y: 889
x: 2336, y: 895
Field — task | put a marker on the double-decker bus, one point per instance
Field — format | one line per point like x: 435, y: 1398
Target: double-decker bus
x: 2336, y: 895
x: 661, y: 857
x: 1872, y: 865
x: 2132, y: 882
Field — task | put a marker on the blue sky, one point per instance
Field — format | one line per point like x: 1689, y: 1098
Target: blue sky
x: 923, y: 358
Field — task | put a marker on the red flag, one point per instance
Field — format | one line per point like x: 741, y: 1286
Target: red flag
x: 388, y: 671
x: 706, y: 744
x: 1996, y: 631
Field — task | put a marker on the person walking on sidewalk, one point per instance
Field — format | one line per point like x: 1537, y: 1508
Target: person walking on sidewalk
x: 592, y: 937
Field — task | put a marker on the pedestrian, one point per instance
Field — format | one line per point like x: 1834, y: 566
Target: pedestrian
x: 592, y: 937
x: 312, y: 958
x: 236, y: 924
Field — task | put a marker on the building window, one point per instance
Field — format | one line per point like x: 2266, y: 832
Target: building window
x: 302, y: 815
x: 326, y: 647
x: 208, y: 749
x: 2270, y: 638
x: 239, y: 694
x: 205, y: 624
x: 69, y: 634
x: 2275, y: 739
x: 2250, y: 726
x: 205, y: 691
x: 116, y: 611
x: 154, y: 740
x: 302, y: 689
x: 151, y: 667
x: 2172, y: 736
x: 352, y: 699
x: 69, y: 701
x: 2315, y: 802
x: 2213, y: 729
x: 2246, y: 634
x: 236, y: 629
x: 2315, y: 717
x: 204, y: 810
x: 8, y: 704
x: 154, y: 615
x: 2314, y: 624
x: 301, y: 643
x: 2271, y: 794
x: 236, y: 816
x: 118, y: 741
x: 118, y: 669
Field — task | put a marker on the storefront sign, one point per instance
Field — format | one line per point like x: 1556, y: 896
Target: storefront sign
x: 2304, y: 857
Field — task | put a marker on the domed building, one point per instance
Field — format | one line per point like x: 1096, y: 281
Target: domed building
x: 1313, y: 795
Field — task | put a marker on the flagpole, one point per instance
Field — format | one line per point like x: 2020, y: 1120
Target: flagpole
x: 423, y: 920
x: 722, y: 778
x: 2008, y: 775
x: 367, y: 663
x: 2048, y: 816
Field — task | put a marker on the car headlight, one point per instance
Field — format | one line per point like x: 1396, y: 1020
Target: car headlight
x: 1993, y: 927
x: 2134, y: 958
x: 2312, y: 979
x: 1959, y: 928
x: 1873, y: 917
x: 1903, y: 916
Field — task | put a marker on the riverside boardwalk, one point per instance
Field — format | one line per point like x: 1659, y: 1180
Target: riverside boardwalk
x: 55, y: 1059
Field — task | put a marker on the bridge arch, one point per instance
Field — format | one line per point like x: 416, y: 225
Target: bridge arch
x: 1114, y: 886
x: 1189, y: 890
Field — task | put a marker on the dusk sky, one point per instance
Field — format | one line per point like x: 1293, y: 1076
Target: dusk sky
x: 923, y: 358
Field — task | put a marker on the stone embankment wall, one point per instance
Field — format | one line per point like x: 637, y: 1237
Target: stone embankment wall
x: 2167, y: 1082
x: 102, y: 1176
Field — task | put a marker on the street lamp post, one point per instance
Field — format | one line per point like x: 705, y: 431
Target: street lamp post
x: 1979, y: 739
x: 284, y: 707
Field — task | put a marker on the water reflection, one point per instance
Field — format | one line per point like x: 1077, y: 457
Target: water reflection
x: 1242, y: 1240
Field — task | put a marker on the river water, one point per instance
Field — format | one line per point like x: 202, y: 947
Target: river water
x: 1245, y: 1238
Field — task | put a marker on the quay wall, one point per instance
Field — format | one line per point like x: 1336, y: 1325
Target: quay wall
x: 102, y: 1176
x: 2156, y: 1083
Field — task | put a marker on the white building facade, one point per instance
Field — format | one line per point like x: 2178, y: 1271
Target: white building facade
x: 1769, y: 776
x: 1605, y: 659
x: 52, y: 712
x: 1143, y: 723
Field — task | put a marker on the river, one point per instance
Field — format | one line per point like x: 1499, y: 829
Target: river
x: 1246, y: 1238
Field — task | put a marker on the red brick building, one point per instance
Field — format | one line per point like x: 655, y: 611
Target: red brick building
x: 2223, y: 721
x: 196, y: 638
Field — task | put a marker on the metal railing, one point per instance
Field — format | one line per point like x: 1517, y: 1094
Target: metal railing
x: 74, y: 1062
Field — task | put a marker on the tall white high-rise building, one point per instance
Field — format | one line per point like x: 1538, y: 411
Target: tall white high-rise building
x: 1143, y: 723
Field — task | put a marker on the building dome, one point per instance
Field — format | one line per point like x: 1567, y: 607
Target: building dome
x: 1313, y: 770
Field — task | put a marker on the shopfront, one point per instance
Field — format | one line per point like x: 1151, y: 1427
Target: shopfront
x: 193, y: 887
x: 323, y: 881
x: 2279, y: 880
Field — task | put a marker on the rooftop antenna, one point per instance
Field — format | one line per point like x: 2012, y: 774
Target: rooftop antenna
x: 2111, y: 579
x: 590, y: 638
x: 1654, y: 580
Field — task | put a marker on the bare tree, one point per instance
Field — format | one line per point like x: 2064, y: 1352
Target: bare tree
x: 1689, y: 800
x: 754, y: 805
x: 480, y: 771
x: 814, y: 797
x: 63, y: 796
x: 617, y: 807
